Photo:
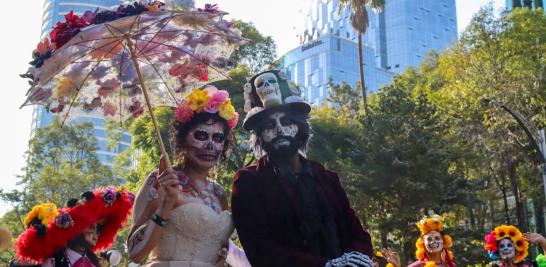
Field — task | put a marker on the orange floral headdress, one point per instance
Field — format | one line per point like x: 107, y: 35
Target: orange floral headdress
x: 506, y: 231
x: 427, y: 225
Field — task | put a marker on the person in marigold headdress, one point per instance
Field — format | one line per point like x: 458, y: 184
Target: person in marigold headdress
x: 68, y: 237
x: 433, y: 245
x: 509, y: 247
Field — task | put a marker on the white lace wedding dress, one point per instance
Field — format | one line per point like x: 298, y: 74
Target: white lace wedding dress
x: 193, y: 237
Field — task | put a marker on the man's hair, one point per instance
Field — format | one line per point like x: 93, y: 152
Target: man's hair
x: 303, y: 136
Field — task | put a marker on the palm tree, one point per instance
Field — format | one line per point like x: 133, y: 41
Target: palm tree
x: 360, y: 22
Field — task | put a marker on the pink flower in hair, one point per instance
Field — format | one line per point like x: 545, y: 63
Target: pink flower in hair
x: 184, y: 112
x: 233, y: 122
x: 490, y: 238
x: 211, y: 107
x: 219, y: 97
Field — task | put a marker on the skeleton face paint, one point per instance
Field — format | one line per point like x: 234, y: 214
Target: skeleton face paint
x: 278, y: 124
x: 278, y: 134
x: 268, y: 89
x: 507, y: 251
x: 433, y: 242
x: 205, y: 144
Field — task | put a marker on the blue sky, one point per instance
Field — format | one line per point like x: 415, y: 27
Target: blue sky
x: 282, y: 19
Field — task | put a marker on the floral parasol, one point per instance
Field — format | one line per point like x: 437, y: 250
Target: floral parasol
x: 115, y: 62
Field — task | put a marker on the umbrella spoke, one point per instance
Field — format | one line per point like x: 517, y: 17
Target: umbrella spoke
x: 155, y: 34
x: 162, y: 79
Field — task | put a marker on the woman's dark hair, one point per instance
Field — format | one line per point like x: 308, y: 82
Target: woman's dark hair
x: 61, y: 259
x: 179, y: 132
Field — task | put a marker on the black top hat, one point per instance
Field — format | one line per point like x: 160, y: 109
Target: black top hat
x: 267, y: 92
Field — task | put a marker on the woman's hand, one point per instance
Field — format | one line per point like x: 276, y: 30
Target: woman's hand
x: 535, y: 238
x: 222, y: 255
x: 392, y: 256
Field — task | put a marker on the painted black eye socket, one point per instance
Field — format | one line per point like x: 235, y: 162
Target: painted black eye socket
x: 285, y: 121
x: 218, y: 137
x: 200, y: 135
x: 271, y: 81
x: 270, y: 124
x: 260, y: 84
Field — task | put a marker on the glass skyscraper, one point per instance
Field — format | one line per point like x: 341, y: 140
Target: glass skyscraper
x: 510, y: 4
x: 398, y: 37
x: 54, y: 10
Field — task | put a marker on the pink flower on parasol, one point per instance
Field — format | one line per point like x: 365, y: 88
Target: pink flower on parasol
x: 109, y: 109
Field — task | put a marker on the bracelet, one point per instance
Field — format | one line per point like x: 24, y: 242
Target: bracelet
x: 159, y: 221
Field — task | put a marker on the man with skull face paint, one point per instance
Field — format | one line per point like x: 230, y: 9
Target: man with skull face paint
x: 509, y: 247
x: 290, y: 211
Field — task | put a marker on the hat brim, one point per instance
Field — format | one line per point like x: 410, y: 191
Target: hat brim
x: 251, y: 123
x: 5, y: 238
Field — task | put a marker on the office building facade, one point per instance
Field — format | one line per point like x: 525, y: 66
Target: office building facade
x: 398, y: 37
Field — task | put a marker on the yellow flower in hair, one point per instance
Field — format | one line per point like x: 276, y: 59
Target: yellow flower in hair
x: 226, y: 110
x: 420, y: 253
x: 198, y: 99
x: 513, y: 232
x: 448, y: 242
x: 430, y: 264
x: 507, y: 231
x: 521, y: 244
x: 44, y: 212
x: 427, y: 225
x: 521, y: 255
x: 389, y: 265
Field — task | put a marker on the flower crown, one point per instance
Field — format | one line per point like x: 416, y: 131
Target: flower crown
x: 427, y: 225
x: 210, y: 100
x: 506, y: 231
x: 434, y: 223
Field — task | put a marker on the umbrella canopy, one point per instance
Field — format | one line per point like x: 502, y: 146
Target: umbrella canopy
x: 95, y: 70
x: 115, y: 62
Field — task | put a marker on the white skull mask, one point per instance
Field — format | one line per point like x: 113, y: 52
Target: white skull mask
x: 433, y: 242
x: 267, y: 88
x: 507, y: 251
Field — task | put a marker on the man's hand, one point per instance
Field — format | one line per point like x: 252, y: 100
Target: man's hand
x: 351, y: 259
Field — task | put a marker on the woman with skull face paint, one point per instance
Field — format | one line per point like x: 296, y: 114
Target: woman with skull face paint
x: 433, y: 246
x: 181, y: 216
x: 509, y: 247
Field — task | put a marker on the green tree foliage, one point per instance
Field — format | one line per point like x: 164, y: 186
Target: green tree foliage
x: 259, y: 52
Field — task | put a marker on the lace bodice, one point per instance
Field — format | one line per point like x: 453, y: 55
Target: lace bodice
x: 195, y: 234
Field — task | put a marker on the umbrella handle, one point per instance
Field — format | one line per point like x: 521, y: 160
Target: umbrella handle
x: 148, y: 103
